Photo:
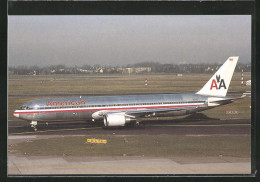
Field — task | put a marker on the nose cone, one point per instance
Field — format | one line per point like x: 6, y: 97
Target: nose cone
x: 16, y: 114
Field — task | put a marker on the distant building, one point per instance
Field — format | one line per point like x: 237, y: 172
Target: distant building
x: 99, y: 70
x: 128, y: 70
x: 135, y: 70
x: 84, y: 71
x: 143, y: 69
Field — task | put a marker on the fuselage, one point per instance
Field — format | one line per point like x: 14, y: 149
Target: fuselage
x: 85, y: 108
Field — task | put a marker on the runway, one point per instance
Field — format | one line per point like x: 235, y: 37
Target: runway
x: 152, y: 127
x: 20, y: 131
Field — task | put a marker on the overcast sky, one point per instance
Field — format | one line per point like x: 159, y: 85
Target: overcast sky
x: 122, y: 40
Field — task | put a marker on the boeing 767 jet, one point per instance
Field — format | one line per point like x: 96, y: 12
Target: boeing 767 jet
x: 121, y: 110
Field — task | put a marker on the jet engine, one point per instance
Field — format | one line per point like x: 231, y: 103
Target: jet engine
x: 116, y: 119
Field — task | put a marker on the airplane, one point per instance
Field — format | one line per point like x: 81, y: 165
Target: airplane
x: 126, y: 109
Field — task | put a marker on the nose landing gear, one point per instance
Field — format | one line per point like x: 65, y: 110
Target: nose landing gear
x: 33, y: 125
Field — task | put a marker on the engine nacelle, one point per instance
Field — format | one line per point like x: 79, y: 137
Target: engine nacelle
x: 116, y: 119
x: 98, y: 115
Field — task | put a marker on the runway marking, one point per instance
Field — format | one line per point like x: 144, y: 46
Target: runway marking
x: 207, y: 125
x: 21, y: 137
x: 125, y: 168
x: 53, y: 130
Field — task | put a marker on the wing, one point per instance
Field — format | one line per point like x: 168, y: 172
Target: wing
x: 143, y: 112
x: 135, y: 113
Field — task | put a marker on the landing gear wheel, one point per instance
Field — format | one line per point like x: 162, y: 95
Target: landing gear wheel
x: 138, y: 125
x: 33, y: 125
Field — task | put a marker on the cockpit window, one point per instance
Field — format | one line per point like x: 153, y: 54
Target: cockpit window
x: 24, y: 107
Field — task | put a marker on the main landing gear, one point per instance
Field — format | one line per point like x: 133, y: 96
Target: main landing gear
x: 33, y: 125
x: 138, y: 124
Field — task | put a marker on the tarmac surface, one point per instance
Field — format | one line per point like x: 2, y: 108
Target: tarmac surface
x: 50, y: 165
x: 20, y: 131
x: 153, y: 127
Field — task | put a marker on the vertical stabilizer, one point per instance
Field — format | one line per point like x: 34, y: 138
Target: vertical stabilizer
x: 219, y: 82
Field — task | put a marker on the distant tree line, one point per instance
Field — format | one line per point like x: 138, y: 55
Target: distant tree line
x: 145, y: 67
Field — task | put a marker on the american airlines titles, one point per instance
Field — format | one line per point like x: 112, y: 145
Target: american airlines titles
x: 66, y: 103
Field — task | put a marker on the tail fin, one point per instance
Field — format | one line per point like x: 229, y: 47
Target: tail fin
x: 219, y: 82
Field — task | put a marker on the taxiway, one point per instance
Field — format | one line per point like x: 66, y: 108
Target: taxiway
x: 154, y: 127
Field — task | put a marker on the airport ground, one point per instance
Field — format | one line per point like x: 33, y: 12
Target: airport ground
x: 217, y: 141
x: 162, y: 147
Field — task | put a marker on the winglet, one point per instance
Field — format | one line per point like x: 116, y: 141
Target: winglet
x: 219, y: 82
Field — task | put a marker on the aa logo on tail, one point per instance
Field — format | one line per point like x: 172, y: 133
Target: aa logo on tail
x: 218, y: 83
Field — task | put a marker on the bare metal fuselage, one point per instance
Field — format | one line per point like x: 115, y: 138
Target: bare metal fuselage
x: 83, y: 108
